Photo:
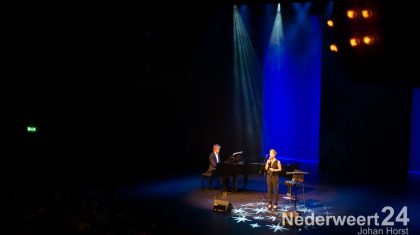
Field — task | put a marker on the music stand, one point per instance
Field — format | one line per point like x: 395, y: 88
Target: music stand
x: 235, y: 158
x: 297, y: 178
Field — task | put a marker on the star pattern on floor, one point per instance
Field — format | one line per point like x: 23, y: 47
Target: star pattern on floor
x: 260, y: 210
x: 238, y: 211
x: 240, y: 219
x: 257, y: 215
x: 277, y: 227
x: 272, y: 218
x: 256, y: 225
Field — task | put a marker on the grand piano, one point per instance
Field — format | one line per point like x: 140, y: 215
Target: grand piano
x: 231, y: 168
x: 237, y: 166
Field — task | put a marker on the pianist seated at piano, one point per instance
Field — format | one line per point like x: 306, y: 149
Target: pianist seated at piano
x: 214, y: 158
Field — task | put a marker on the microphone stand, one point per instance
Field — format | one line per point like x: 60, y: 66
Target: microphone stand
x: 263, y: 165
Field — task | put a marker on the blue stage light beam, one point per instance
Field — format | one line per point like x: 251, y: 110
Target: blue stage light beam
x: 247, y: 75
x: 292, y: 86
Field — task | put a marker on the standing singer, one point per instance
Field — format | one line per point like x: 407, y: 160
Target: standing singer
x: 273, y: 168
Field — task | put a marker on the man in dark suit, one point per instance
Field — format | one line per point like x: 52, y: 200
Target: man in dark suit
x: 214, y: 158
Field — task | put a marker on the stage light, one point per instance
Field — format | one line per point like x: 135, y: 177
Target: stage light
x: 223, y: 206
x: 247, y: 76
x: 354, y: 42
x: 333, y: 47
x: 330, y: 23
x: 287, y: 86
x: 276, y: 43
x: 31, y: 129
x: 366, y: 13
x: 368, y: 40
x: 351, y: 14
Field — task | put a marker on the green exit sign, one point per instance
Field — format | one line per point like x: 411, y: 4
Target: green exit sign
x: 31, y: 129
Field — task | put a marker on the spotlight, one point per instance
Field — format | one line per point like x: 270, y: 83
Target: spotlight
x: 354, y: 42
x: 366, y: 13
x: 333, y: 47
x: 351, y: 14
x: 368, y: 40
x: 330, y: 23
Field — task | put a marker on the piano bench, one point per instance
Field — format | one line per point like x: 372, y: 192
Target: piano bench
x: 206, y: 176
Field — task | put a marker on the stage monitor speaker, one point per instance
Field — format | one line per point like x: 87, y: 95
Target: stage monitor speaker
x: 222, y: 206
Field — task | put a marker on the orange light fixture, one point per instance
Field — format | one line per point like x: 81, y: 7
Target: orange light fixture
x: 330, y: 23
x: 351, y: 14
x: 333, y: 47
x: 354, y: 42
x: 368, y: 40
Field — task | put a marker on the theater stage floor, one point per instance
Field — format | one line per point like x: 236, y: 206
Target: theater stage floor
x: 181, y: 206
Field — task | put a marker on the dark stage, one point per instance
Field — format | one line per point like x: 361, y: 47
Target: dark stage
x: 181, y: 206
x: 191, y: 212
x: 111, y: 109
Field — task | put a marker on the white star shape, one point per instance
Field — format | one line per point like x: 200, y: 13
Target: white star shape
x: 238, y: 211
x: 243, y: 213
x: 258, y: 217
x: 277, y: 227
x: 273, y: 218
x: 249, y: 204
x: 255, y: 225
x: 240, y: 219
x: 260, y: 210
